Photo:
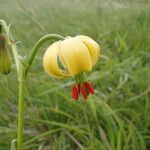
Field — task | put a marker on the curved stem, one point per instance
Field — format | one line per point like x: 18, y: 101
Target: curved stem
x: 38, y: 45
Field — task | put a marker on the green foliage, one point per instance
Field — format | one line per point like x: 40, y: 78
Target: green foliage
x: 117, y: 117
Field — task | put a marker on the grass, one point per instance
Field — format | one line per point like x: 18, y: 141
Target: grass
x: 117, y: 117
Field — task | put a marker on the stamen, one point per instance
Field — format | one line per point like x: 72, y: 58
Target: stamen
x: 89, y: 87
x: 83, y: 92
x: 80, y: 78
x: 82, y: 86
x: 75, y: 94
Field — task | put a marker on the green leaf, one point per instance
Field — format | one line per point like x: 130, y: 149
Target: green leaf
x: 13, y: 145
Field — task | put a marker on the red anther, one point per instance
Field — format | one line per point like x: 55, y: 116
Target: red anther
x: 89, y: 87
x: 79, y: 88
x: 83, y: 92
x: 75, y: 94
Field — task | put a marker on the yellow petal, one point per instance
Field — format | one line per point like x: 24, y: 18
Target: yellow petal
x: 50, y: 62
x: 75, y: 55
x: 93, y: 47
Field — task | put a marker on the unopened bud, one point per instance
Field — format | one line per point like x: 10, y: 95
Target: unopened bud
x: 5, y: 60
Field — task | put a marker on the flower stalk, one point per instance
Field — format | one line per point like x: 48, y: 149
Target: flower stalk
x: 21, y: 80
x: 39, y: 44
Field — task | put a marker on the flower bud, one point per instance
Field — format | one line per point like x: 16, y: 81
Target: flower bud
x: 5, y: 60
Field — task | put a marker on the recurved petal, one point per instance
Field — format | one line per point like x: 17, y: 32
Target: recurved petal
x: 50, y: 62
x: 75, y: 55
x: 93, y: 47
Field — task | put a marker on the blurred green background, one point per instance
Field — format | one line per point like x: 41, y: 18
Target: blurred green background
x: 117, y: 117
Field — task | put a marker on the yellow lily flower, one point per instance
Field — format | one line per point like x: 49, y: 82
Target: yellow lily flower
x: 76, y: 54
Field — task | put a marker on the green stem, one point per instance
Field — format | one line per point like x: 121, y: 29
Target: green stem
x: 20, y: 116
x: 39, y: 44
x: 21, y: 80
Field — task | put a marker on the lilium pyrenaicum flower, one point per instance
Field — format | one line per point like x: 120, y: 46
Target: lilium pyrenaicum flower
x: 72, y: 57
